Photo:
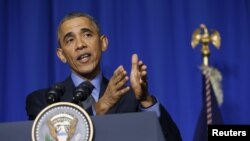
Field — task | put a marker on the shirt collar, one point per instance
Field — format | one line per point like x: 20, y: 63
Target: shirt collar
x: 96, y: 81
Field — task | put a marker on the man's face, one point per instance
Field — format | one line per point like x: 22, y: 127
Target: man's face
x: 81, y: 46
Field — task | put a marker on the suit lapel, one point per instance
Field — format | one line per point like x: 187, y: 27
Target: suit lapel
x: 69, y: 89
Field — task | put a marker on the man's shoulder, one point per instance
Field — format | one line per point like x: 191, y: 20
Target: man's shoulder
x: 39, y: 93
x: 45, y: 90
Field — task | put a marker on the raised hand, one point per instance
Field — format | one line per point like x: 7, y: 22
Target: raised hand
x: 138, y: 80
x: 115, y: 89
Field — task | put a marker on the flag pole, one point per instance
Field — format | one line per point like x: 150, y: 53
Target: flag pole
x: 202, y: 36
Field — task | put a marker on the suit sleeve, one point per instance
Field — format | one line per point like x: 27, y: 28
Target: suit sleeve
x: 169, y: 128
x: 35, y: 102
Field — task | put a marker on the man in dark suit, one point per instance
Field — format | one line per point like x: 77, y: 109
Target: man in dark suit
x: 81, y: 45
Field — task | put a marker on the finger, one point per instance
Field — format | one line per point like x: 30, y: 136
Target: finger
x: 134, y: 62
x: 140, y: 63
x: 143, y: 71
x: 123, y: 91
x: 143, y: 68
x: 144, y: 76
x: 121, y: 83
x: 118, y: 70
x: 120, y: 77
x: 119, y: 74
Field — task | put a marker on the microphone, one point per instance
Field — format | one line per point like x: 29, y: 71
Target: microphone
x: 82, y: 92
x: 55, y: 93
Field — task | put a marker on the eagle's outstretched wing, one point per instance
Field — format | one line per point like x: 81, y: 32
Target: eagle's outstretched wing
x: 196, y: 37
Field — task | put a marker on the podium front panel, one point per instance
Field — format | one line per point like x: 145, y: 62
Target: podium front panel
x: 143, y: 126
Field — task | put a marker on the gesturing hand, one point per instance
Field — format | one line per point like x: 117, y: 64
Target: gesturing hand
x: 115, y: 89
x: 138, y: 80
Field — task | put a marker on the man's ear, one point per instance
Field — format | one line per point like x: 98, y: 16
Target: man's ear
x: 104, y: 42
x: 61, y: 55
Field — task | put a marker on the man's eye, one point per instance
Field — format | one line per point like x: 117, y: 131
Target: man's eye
x: 87, y: 35
x: 69, y: 40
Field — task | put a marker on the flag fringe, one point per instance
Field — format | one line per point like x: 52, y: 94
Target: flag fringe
x: 215, y: 78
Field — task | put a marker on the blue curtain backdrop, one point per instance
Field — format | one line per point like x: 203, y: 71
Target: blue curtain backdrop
x: 158, y: 30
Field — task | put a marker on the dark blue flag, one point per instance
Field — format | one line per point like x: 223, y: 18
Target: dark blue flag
x: 210, y: 112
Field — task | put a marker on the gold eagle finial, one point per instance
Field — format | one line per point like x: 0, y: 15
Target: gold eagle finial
x: 203, y: 36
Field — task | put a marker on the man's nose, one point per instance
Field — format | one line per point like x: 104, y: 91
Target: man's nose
x: 80, y: 44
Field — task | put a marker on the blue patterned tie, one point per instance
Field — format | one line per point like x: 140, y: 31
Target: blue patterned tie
x: 87, y: 104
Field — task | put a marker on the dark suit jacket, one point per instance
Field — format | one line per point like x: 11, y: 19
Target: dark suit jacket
x: 37, y: 100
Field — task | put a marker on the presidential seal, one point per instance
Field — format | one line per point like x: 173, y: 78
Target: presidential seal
x: 62, y: 121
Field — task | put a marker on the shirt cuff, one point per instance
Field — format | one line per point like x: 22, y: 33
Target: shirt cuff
x: 154, y: 108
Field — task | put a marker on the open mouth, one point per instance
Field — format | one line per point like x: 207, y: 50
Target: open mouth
x: 83, y: 58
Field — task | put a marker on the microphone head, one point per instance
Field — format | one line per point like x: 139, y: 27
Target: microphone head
x: 55, y: 93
